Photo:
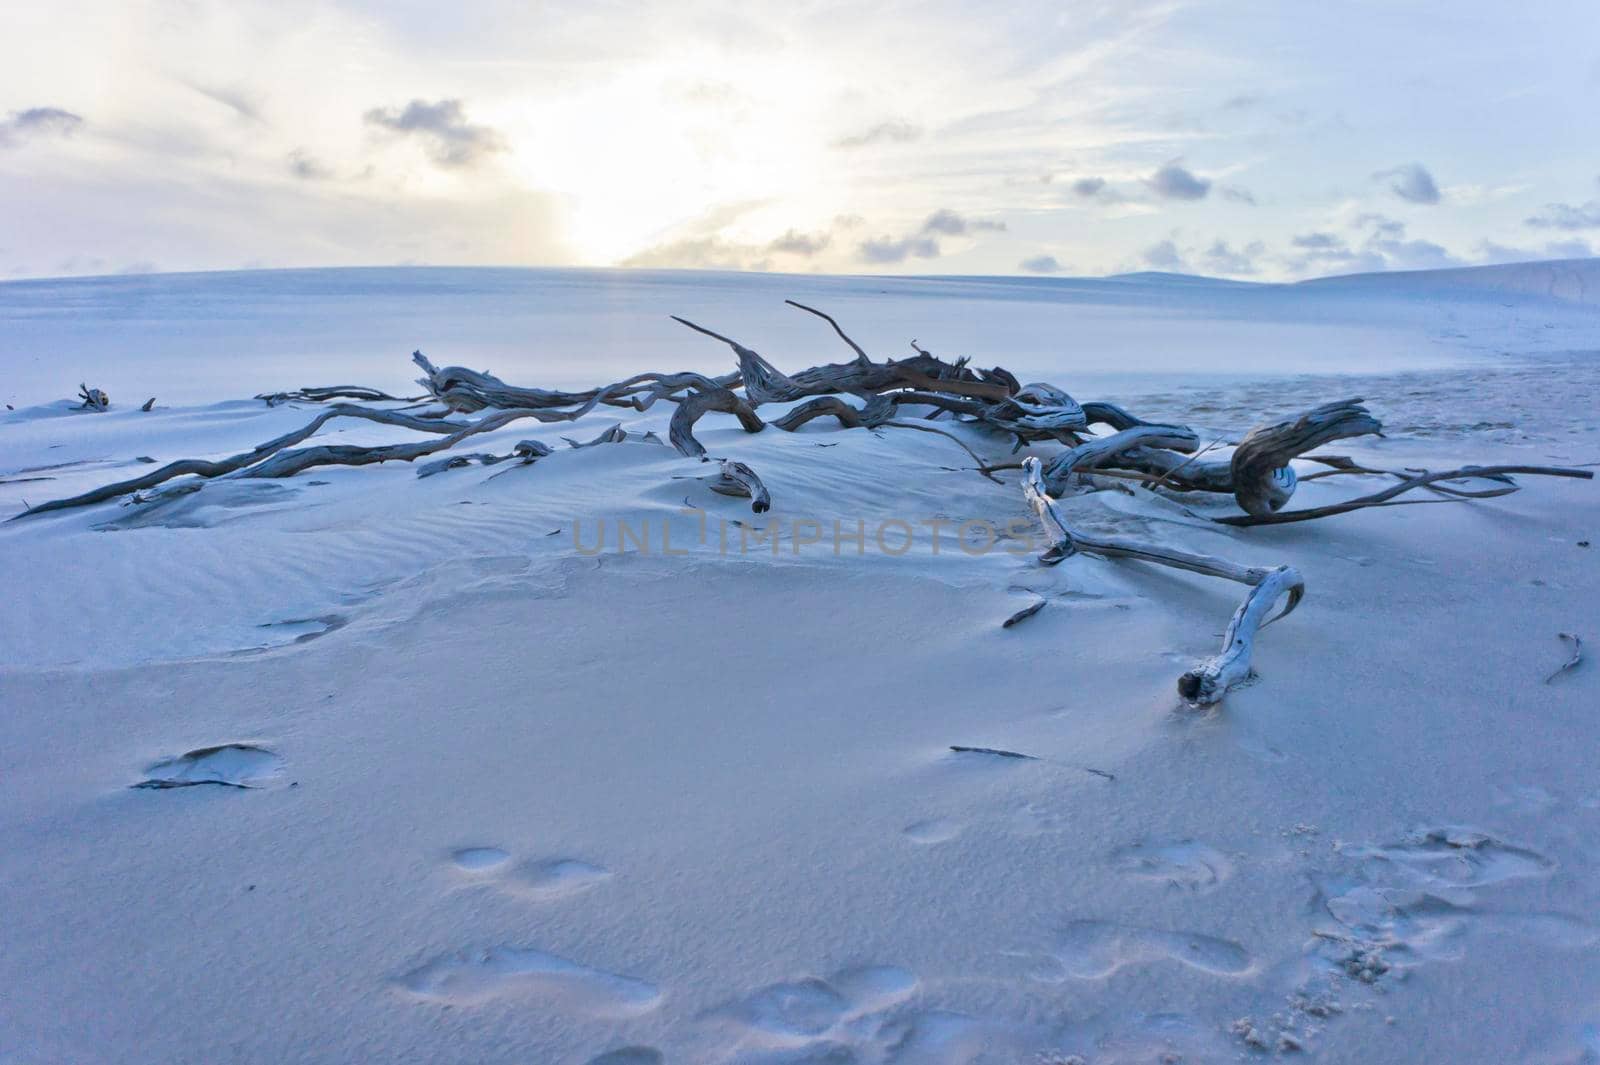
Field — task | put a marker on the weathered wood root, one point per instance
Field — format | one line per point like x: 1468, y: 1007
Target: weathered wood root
x: 359, y: 393
x: 1577, y: 654
x: 1207, y: 682
x: 272, y: 459
x: 1105, y: 450
x: 1422, y: 480
x: 737, y: 479
x: 1263, y: 480
x: 93, y: 399
x: 680, y: 430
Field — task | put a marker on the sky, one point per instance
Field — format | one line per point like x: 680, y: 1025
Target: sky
x: 1252, y: 139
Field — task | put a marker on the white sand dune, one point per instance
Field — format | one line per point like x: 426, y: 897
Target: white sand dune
x: 531, y: 802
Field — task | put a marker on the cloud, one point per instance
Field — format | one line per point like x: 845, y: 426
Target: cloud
x: 1411, y: 182
x: 1566, y: 216
x: 1241, y: 102
x: 235, y: 100
x: 697, y: 253
x: 1095, y: 188
x: 38, y: 122
x: 794, y: 242
x: 1388, y: 244
x: 1317, y: 241
x: 895, y: 131
x: 1173, y: 182
x: 1236, y: 194
x: 1163, y: 256
x: 1491, y: 252
x: 1041, y: 264
x: 1380, y: 224
x: 1221, y: 258
x: 303, y: 166
x: 451, y: 140
x: 890, y: 250
x: 954, y: 225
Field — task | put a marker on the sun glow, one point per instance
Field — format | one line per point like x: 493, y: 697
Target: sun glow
x: 650, y: 153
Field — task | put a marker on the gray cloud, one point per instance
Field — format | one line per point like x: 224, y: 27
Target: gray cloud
x: 1380, y: 224
x: 38, y: 122
x: 234, y: 100
x: 1411, y: 182
x: 794, y: 242
x: 303, y: 166
x: 1221, y: 258
x: 1163, y: 256
x: 1173, y: 182
x: 954, y: 225
x: 1317, y: 241
x: 895, y: 131
x: 890, y: 250
x: 1041, y: 264
x: 1237, y: 195
x: 450, y: 139
x: 1575, y: 248
x: 1566, y: 216
x: 1089, y: 186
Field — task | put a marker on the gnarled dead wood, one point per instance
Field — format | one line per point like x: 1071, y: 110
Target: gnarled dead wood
x: 93, y: 399
x: 1104, y: 450
x: 359, y: 393
x: 1097, y: 413
x: 1422, y: 480
x: 697, y: 403
x: 1210, y: 680
x: 876, y: 411
x: 1263, y: 480
x: 765, y: 383
x: 1037, y: 412
x: 737, y: 479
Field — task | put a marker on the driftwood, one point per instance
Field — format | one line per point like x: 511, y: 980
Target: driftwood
x: 1257, y: 473
x: 1263, y: 480
x: 1577, y: 654
x: 1104, y: 450
x: 737, y: 479
x: 322, y: 395
x: 93, y: 399
x: 1422, y: 480
x: 149, y: 405
x: 1210, y: 680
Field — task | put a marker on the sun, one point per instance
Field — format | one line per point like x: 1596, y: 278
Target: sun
x: 676, y: 141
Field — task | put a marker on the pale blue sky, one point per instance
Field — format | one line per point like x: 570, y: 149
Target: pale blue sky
x: 1260, y: 139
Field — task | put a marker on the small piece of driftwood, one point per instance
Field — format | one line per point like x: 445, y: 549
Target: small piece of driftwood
x: 1209, y: 681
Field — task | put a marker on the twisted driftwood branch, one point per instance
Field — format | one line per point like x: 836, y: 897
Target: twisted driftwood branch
x: 1263, y: 480
x: 737, y: 479
x: 1210, y: 680
x: 1104, y: 450
x: 1422, y: 480
x: 359, y: 393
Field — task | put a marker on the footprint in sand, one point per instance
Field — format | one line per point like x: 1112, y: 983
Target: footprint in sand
x: 629, y: 1056
x: 1092, y: 949
x: 1452, y: 857
x: 469, y: 978
x: 479, y: 859
x: 231, y: 765
x: 549, y: 878
x: 1185, y: 864
x: 933, y: 830
x: 555, y: 878
x: 810, y: 1008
